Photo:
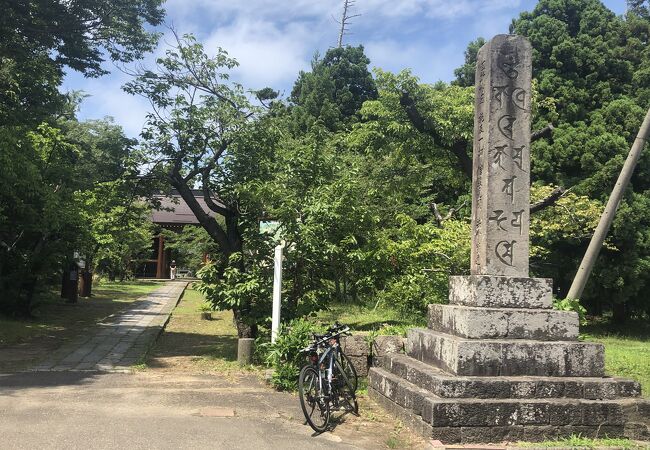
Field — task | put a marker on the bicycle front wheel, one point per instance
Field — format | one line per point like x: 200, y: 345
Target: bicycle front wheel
x: 312, y: 400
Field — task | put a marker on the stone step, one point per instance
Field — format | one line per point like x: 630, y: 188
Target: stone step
x: 495, y: 420
x: 445, y: 385
x: 507, y: 323
x: 501, y: 291
x: 503, y: 357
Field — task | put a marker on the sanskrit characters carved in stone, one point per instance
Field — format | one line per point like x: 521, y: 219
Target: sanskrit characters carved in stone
x: 517, y: 96
x: 509, y: 187
x: 504, y: 251
x: 505, y: 124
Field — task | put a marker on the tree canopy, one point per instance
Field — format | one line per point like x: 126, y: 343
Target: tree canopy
x: 367, y: 175
x: 63, y: 181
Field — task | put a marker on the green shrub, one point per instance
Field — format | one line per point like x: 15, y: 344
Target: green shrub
x: 420, y: 258
x: 571, y: 304
x: 284, y: 356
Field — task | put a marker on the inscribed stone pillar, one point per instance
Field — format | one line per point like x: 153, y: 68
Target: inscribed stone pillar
x: 501, y: 170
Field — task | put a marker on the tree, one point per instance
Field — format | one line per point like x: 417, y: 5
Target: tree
x: 56, y: 202
x: 591, y: 69
x: 203, y: 130
x: 334, y: 90
x: 42, y: 37
x: 465, y: 73
x: 48, y: 160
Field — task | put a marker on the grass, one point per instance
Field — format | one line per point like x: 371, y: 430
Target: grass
x: 362, y: 318
x: 192, y: 344
x: 575, y: 441
x: 53, y: 317
x: 25, y: 341
x: 627, y: 349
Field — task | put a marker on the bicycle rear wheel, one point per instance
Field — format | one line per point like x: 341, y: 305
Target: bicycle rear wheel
x: 312, y: 401
x: 346, y: 386
x: 349, y: 370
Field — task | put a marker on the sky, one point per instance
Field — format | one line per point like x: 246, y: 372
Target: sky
x: 274, y: 40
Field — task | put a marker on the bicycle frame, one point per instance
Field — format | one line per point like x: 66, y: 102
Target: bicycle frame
x: 330, y: 354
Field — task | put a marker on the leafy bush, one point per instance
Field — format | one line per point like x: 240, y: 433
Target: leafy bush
x: 237, y: 289
x: 284, y: 356
x: 421, y: 257
x: 571, y: 304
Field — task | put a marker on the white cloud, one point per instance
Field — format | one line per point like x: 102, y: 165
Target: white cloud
x: 274, y: 39
x: 267, y: 54
x: 106, y: 98
x: 429, y: 63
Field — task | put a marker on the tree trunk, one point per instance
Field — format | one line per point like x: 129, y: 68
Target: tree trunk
x: 618, y: 313
x: 230, y: 241
x: 65, y: 276
x: 25, y: 307
x: 244, y: 329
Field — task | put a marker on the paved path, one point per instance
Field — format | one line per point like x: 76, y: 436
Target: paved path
x: 122, y: 340
x: 148, y: 410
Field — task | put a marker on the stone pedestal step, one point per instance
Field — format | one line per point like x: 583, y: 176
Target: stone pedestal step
x: 530, y: 419
x: 445, y: 385
x: 501, y: 291
x: 504, y: 357
x: 504, y: 323
x: 513, y: 433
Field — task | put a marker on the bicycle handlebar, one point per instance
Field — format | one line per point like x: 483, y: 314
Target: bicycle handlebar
x: 334, y: 331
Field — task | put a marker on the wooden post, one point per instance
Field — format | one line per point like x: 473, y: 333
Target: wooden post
x: 160, y: 267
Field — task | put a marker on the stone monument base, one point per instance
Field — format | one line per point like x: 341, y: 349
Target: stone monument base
x: 499, y: 364
x: 468, y: 409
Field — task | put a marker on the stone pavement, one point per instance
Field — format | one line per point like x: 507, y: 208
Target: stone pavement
x: 123, y: 339
x: 149, y: 410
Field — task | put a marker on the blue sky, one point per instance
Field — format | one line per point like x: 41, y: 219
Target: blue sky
x: 274, y: 39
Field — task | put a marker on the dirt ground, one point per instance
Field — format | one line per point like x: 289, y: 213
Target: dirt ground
x: 192, y: 346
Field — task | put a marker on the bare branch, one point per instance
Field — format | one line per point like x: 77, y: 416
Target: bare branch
x: 345, y: 20
x: 553, y: 197
x: 545, y: 132
x: 436, y: 213
x: 439, y: 218
x: 207, y: 196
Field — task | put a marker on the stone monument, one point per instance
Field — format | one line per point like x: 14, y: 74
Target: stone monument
x: 498, y: 363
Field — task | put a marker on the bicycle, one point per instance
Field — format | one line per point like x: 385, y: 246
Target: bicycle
x: 328, y: 380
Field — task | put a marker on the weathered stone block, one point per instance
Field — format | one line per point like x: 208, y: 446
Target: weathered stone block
x: 383, y: 345
x: 501, y: 291
x: 509, y: 323
x: 512, y: 433
x: 501, y: 160
x: 506, y: 356
x: 413, y: 421
x: 549, y: 389
x: 448, y: 435
x: 543, y: 433
x: 360, y: 364
x: 603, y: 413
x: 537, y: 419
x: 628, y: 388
x: 563, y: 413
x: 446, y: 385
x: 355, y: 345
x: 637, y: 430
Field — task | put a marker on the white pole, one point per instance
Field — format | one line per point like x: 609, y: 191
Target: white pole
x: 277, y: 291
